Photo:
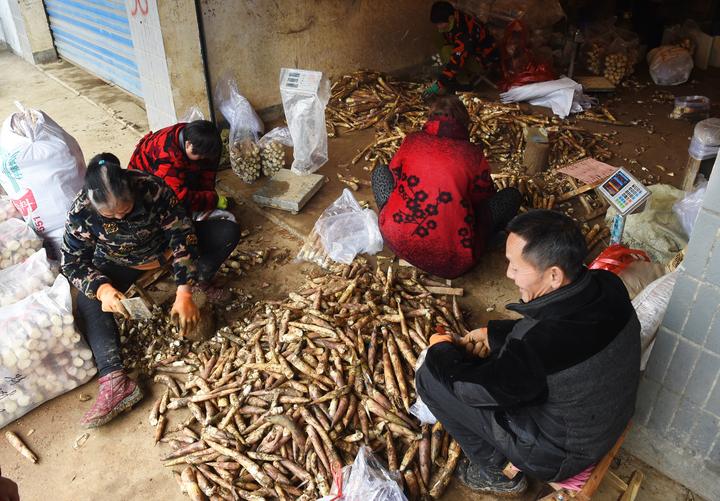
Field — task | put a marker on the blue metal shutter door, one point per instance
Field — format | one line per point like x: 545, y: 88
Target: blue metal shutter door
x: 95, y: 35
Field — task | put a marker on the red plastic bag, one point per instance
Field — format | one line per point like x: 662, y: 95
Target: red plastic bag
x: 617, y: 257
x: 518, y: 63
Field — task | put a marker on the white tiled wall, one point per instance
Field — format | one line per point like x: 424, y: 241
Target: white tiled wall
x: 150, y: 53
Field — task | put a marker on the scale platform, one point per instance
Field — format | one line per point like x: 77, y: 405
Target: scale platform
x: 288, y: 191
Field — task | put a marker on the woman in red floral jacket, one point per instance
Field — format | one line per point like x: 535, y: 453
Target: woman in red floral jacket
x: 437, y: 202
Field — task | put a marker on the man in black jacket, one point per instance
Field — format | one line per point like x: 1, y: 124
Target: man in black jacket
x: 558, y: 386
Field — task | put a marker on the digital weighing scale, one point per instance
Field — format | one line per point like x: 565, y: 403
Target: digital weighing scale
x: 624, y: 192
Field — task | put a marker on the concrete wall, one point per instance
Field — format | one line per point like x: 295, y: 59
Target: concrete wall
x: 181, y: 38
x: 38, y: 31
x: 255, y: 38
x: 678, y: 415
x: 14, y: 29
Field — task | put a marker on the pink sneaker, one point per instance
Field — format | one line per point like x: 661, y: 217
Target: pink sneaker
x: 117, y: 392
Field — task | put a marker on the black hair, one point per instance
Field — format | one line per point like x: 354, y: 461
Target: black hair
x: 105, y: 181
x: 440, y: 12
x: 450, y: 106
x: 551, y: 239
x: 204, y: 137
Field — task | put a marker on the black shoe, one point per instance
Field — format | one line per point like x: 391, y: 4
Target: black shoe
x: 490, y: 480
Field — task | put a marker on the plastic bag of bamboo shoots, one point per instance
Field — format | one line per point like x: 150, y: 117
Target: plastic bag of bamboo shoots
x: 19, y: 281
x: 17, y: 242
x: 272, y: 150
x: 366, y: 480
x: 42, y: 354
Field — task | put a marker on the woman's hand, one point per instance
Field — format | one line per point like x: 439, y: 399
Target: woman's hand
x: 476, y: 342
x: 184, y: 312
x: 111, y: 299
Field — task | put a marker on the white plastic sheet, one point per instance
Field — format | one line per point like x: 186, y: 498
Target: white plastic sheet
x: 41, y: 169
x: 563, y: 96
x: 688, y: 208
x: 346, y: 229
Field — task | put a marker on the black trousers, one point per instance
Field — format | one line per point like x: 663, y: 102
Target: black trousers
x: 503, y: 205
x: 216, y: 240
x: 482, y: 439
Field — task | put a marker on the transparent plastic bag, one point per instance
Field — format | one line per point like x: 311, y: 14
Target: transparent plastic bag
x: 17, y: 242
x: 346, y: 229
x: 650, y: 306
x: 7, y: 210
x: 278, y: 134
x: 19, y: 281
x: 670, y: 65
x: 366, y: 480
x: 193, y: 113
x: 42, y: 354
x: 688, y: 208
x: 705, y: 142
x: 305, y: 95
x: 241, y: 117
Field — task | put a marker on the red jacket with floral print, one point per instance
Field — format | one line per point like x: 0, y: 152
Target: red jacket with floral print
x: 162, y: 154
x: 469, y: 38
x: 436, y: 217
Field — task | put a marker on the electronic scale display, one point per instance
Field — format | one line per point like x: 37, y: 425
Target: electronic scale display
x: 624, y: 192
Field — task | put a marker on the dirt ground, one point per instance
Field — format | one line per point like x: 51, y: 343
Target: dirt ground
x: 118, y: 461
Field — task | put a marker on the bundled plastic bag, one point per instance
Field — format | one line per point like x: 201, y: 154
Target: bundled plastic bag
x: 617, y: 257
x: 19, y: 281
x: 670, y: 65
x: 650, y: 306
x: 705, y: 142
x: 42, y: 354
x: 193, y: 113
x: 7, y: 209
x: 688, y: 208
x: 564, y: 96
x: 305, y: 95
x: 346, y: 229
x: 42, y: 169
x: 17, y: 242
x: 272, y: 151
x: 366, y: 480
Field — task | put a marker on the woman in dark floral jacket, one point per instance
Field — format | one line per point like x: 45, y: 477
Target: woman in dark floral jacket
x: 436, y: 199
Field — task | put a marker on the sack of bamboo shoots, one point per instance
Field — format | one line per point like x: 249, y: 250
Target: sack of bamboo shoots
x: 367, y: 480
x: 19, y: 281
x: 42, y: 354
x: 7, y: 210
x: 670, y: 65
x: 17, y: 242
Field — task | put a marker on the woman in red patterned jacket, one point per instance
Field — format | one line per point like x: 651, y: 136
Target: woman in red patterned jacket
x: 437, y: 202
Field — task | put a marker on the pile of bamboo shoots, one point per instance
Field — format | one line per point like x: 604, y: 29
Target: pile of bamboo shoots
x: 275, y: 405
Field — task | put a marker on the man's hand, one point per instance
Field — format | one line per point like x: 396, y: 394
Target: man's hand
x: 476, y: 342
x: 111, y: 298
x: 431, y: 90
x: 184, y: 313
x: 8, y: 490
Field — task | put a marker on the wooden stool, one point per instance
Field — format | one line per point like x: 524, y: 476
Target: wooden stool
x: 692, y: 167
x: 629, y: 490
x: 146, y: 280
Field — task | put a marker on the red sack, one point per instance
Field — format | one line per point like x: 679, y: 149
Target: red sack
x: 617, y: 257
x: 518, y: 63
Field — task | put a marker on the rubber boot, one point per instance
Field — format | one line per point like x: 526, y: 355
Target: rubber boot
x: 116, y: 393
